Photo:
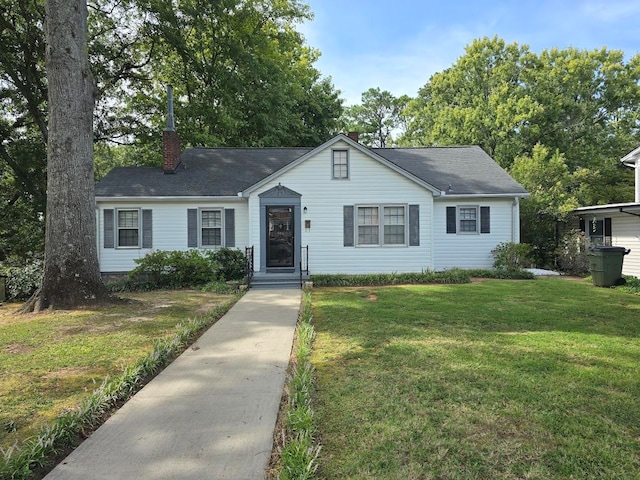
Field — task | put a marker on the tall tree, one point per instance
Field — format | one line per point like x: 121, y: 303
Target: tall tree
x: 378, y: 119
x: 480, y: 100
x: 243, y: 73
x: 120, y: 51
x: 71, y: 273
x: 508, y: 99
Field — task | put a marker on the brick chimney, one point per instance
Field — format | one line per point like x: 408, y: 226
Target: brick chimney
x: 170, y: 139
x: 355, y: 136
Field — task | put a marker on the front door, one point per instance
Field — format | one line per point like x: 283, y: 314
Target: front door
x: 280, y: 236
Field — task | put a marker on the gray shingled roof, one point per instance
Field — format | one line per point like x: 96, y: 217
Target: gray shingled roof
x: 454, y: 170
x: 203, y: 172
x: 227, y: 171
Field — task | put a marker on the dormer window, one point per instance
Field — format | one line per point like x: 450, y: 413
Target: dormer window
x: 340, y: 164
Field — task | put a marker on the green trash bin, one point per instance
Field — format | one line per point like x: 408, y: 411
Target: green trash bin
x: 605, y: 264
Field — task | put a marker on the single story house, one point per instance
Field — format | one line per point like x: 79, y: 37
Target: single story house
x: 617, y: 224
x: 339, y: 207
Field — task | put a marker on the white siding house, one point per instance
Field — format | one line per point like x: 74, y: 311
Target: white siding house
x: 617, y: 224
x: 352, y: 208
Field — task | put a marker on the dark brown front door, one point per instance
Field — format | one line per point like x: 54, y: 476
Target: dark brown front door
x: 280, y: 239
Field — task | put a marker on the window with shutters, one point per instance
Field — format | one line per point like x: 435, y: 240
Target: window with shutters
x: 128, y: 228
x: 211, y: 228
x: 468, y: 219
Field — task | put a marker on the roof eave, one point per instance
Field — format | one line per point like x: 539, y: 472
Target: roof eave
x: 608, y: 208
x: 631, y: 158
x: 181, y: 198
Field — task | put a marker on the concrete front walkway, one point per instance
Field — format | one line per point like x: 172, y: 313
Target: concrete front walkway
x: 208, y: 415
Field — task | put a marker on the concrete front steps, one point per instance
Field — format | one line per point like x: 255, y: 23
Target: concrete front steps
x: 262, y: 280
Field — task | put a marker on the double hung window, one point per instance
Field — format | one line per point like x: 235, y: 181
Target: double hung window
x: 340, y: 164
x: 211, y: 228
x: 369, y: 231
x: 128, y: 228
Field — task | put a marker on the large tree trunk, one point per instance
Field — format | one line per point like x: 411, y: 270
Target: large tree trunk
x: 71, y: 272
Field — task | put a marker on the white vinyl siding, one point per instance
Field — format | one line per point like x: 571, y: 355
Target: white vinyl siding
x: 169, y: 229
x: 625, y: 232
x: 370, y: 184
x: 471, y: 251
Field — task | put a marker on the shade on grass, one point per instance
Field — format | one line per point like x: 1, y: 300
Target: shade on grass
x: 497, y: 379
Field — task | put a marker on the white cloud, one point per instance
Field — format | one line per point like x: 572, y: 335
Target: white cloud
x: 612, y: 11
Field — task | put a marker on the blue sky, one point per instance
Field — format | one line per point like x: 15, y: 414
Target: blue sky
x: 397, y: 45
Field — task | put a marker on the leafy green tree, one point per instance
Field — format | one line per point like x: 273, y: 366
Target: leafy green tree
x: 550, y: 183
x: 242, y: 74
x: 480, y: 100
x: 378, y: 118
x: 589, y: 104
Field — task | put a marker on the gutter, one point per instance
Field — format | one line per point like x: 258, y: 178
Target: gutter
x: 629, y: 213
x: 228, y: 198
x: 445, y: 196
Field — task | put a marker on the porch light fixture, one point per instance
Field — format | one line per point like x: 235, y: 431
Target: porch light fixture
x: 304, y: 209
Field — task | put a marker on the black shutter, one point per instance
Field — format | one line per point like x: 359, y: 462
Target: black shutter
x: 348, y: 226
x: 192, y: 227
x: 485, y: 219
x: 451, y: 219
x: 147, y: 228
x: 230, y: 227
x: 581, y: 225
x: 414, y: 225
x: 108, y: 228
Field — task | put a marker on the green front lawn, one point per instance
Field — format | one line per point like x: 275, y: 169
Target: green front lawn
x: 51, y: 362
x: 491, y: 380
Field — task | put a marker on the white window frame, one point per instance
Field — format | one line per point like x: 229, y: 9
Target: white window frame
x: 358, y: 225
x: 201, y: 227
x: 459, y: 219
x: 346, y: 164
x: 118, y: 227
x: 405, y: 226
x: 381, y: 234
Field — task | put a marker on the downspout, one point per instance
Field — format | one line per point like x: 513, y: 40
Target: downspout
x: 637, y: 171
x: 515, y: 221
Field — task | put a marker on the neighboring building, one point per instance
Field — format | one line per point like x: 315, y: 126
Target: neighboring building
x: 617, y: 224
x: 359, y: 210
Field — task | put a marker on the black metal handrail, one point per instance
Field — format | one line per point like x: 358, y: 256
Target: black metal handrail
x: 304, y: 262
x: 248, y: 268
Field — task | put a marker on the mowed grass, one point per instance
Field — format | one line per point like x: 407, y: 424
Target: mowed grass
x: 491, y: 380
x: 50, y: 362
